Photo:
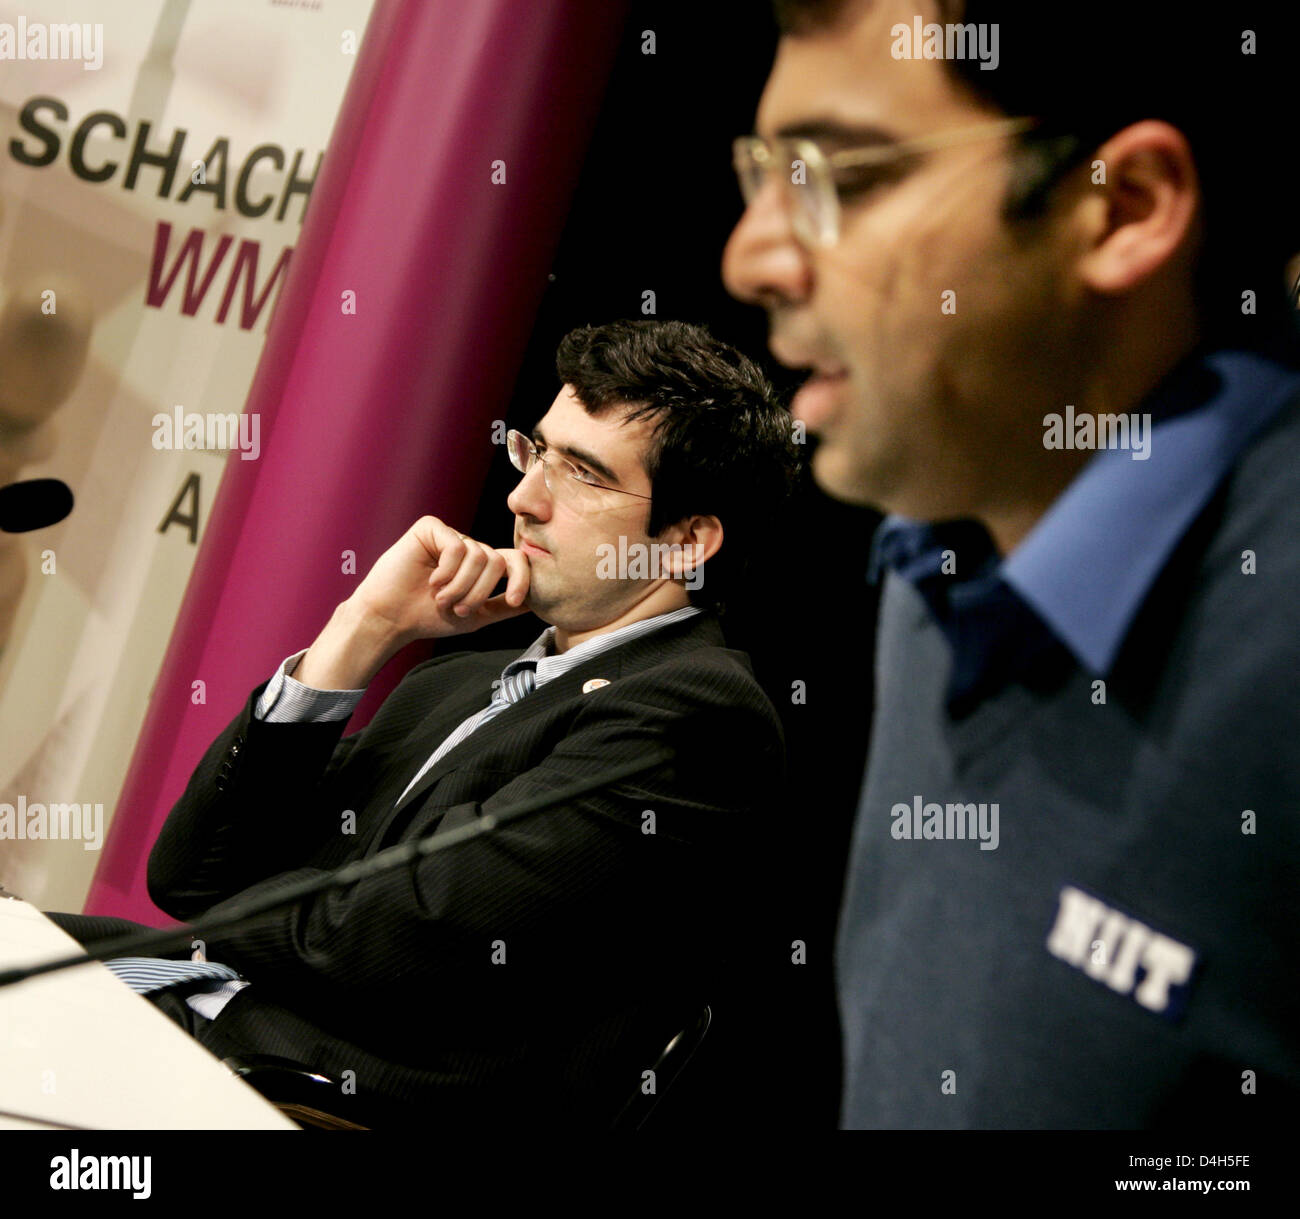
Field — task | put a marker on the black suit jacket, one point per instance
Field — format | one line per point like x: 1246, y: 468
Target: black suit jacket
x: 527, y: 975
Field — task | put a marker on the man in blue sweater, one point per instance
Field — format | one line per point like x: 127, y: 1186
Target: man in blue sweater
x: 1038, y: 278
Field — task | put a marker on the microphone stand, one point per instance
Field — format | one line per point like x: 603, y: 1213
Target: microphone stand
x: 401, y: 855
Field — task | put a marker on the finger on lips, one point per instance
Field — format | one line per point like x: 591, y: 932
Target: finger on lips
x: 519, y: 573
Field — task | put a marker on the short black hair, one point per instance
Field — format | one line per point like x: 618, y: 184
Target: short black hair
x: 1220, y: 75
x: 722, y: 443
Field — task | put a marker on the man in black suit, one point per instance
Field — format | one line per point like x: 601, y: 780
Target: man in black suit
x: 530, y: 974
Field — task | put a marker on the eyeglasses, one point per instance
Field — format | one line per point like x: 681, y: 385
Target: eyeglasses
x: 568, y: 483
x: 812, y: 193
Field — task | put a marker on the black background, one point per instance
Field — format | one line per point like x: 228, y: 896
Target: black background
x: 654, y: 205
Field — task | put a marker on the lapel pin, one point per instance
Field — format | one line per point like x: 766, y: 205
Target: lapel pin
x: 594, y: 684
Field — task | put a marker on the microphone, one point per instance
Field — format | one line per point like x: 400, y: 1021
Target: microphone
x: 35, y: 503
x: 403, y: 854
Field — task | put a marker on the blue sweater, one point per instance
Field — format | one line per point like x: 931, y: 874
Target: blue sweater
x: 1073, y: 897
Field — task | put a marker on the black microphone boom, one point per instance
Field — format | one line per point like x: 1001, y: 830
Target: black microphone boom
x: 398, y: 856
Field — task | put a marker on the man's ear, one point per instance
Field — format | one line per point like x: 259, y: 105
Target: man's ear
x: 695, y: 539
x: 1146, y: 212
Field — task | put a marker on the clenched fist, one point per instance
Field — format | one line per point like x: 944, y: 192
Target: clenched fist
x: 433, y: 582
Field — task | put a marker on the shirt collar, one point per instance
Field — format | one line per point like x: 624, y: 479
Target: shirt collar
x: 1088, y: 564
x: 550, y: 664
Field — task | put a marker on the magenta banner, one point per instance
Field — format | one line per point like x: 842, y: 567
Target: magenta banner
x: 394, y: 346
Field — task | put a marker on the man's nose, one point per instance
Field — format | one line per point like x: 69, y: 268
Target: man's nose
x: 531, y: 496
x: 763, y: 262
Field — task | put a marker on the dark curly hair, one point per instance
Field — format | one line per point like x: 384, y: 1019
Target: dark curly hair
x: 722, y: 443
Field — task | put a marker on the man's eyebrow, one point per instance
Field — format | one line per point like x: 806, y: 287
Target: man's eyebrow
x: 577, y: 454
x: 831, y: 131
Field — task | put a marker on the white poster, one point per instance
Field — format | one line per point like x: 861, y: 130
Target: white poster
x: 156, y: 159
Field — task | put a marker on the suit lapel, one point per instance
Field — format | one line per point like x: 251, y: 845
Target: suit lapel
x: 471, y: 696
x: 702, y: 630
x: 540, y: 702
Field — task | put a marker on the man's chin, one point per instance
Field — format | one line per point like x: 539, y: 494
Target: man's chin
x: 549, y: 608
x: 842, y: 478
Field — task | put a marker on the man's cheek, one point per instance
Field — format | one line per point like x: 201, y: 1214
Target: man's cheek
x: 855, y: 301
